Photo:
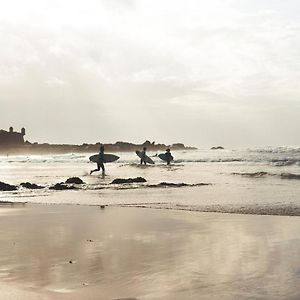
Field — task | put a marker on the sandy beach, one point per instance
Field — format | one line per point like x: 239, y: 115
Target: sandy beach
x: 210, y: 226
x: 149, y: 150
x: 76, y: 252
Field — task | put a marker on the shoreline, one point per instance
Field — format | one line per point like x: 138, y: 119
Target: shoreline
x: 280, y: 211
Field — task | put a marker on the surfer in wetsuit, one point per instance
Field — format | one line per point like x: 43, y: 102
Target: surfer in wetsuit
x: 143, y: 158
x: 169, y: 156
x: 100, y: 163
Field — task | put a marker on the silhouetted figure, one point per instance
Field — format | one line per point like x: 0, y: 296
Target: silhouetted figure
x: 143, y: 158
x: 169, y: 156
x: 100, y: 163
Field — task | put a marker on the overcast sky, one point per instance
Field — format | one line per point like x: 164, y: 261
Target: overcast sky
x: 217, y: 72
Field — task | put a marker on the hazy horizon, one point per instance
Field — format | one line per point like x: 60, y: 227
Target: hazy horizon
x: 223, y: 72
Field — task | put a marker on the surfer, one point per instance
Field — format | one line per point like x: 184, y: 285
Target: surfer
x: 100, y: 163
x: 143, y: 157
x: 168, y: 156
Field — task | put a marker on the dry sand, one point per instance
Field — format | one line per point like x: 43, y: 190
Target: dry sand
x: 84, y: 252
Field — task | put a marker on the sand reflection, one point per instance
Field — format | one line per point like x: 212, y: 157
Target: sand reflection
x: 150, y: 254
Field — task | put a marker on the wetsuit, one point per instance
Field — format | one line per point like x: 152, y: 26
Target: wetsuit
x: 143, y: 158
x: 100, y: 163
x: 169, y: 157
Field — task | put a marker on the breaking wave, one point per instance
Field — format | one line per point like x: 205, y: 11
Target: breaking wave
x: 282, y: 156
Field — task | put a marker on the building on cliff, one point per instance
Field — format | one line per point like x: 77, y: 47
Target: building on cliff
x: 11, y: 138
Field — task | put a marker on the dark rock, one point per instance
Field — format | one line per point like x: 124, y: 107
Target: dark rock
x: 217, y: 148
x: 12, y: 203
x: 75, y: 180
x: 254, y: 174
x: 128, y: 180
x: 62, y: 187
x: 32, y: 186
x: 289, y: 176
x: 7, y: 187
x: 171, y: 184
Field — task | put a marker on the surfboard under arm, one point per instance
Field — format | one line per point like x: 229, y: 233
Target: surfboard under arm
x: 147, y: 158
x: 108, y: 158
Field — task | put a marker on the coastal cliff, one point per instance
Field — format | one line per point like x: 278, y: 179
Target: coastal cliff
x: 35, y: 148
x: 13, y: 143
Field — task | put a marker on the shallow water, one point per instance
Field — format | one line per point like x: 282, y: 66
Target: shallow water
x: 149, y: 254
x: 237, y: 181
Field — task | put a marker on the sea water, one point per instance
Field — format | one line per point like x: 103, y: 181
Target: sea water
x: 258, y: 181
x: 156, y: 254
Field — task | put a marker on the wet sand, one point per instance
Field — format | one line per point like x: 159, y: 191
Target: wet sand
x: 85, y: 252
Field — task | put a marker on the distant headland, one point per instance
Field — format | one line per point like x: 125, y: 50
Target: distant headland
x: 12, y: 142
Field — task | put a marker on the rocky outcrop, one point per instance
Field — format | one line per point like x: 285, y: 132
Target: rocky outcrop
x: 217, y: 148
x: 128, y: 180
x: 290, y: 176
x: 7, y: 187
x: 31, y: 186
x: 27, y: 147
x: 171, y: 184
x: 74, y: 180
x: 62, y: 187
x: 254, y: 174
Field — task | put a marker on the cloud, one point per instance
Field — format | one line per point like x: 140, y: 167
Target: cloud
x: 54, y: 81
x: 119, y: 64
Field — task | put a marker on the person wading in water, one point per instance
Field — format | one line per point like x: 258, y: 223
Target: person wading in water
x: 143, y: 158
x: 100, y: 162
x: 169, y: 156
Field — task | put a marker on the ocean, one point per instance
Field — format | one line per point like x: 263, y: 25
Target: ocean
x: 252, y: 181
